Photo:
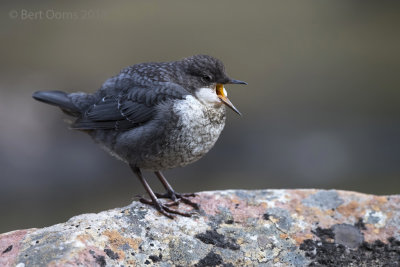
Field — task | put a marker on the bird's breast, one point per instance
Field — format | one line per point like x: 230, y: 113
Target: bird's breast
x: 203, y: 123
x: 193, y: 133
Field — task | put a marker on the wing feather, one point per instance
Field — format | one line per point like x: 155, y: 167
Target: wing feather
x: 132, y: 107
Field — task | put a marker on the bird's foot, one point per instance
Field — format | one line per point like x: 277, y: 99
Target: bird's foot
x: 179, y: 197
x: 164, y: 208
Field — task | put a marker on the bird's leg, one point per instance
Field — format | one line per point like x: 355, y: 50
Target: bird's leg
x: 163, y: 209
x: 174, y: 196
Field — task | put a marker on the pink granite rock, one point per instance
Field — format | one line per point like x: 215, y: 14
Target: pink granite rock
x: 233, y: 228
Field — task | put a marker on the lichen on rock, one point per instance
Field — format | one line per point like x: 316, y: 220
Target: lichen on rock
x: 233, y: 228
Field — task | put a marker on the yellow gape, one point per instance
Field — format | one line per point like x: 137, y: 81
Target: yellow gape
x: 220, y: 90
x: 222, y: 95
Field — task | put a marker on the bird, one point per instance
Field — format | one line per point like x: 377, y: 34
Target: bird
x: 154, y: 116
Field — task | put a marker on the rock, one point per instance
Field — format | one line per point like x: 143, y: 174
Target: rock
x: 233, y: 228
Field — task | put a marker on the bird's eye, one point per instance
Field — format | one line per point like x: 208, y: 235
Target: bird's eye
x: 206, y: 78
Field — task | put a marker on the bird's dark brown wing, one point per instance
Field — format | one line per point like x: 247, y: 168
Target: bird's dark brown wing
x: 129, y: 108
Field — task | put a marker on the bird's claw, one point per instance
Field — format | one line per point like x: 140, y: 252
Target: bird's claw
x: 179, y: 197
x: 164, y: 208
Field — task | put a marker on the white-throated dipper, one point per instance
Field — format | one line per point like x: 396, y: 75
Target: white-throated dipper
x: 154, y: 116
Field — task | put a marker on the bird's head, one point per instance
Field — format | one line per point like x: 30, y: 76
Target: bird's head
x: 207, y: 79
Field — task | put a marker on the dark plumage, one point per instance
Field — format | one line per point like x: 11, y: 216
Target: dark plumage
x: 154, y: 116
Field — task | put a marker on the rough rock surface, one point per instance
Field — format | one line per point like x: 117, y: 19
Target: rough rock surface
x: 233, y: 228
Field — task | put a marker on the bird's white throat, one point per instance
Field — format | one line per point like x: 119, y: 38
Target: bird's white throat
x: 208, y: 96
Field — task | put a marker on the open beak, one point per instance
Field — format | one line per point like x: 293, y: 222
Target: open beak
x: 221, y: 93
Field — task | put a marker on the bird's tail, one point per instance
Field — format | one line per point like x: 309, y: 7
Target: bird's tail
x: 59, y: 99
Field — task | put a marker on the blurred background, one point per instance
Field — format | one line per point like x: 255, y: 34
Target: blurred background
x: 322, y: 108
